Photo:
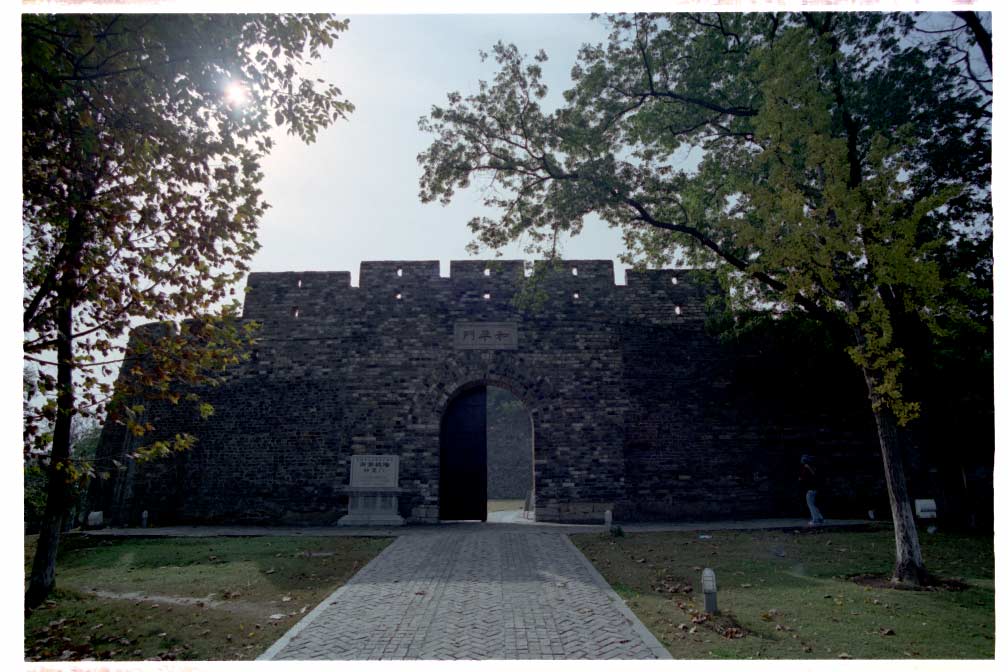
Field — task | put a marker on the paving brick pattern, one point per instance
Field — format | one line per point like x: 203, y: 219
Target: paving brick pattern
x: 473, y: 594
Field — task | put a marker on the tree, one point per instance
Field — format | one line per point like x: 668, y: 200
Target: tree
x: 84, y: 437
x: 841, y: 168
x: 141, y: 145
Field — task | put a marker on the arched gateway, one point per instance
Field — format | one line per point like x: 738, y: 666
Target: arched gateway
x: 636, y: 409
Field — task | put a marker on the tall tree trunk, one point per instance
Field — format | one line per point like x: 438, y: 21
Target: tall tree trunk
x: 909, y: 568
x: 60, y: 482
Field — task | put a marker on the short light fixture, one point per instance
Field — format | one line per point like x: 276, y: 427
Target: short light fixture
x: 486, y: 295
x: 398, y: 296
x: 574, y: 271
x: 577, y: 295
x: 678, y: 310
x: 709, y: 584
x: 399, y: 272
x: 675, y: 280
x: 486, y: 271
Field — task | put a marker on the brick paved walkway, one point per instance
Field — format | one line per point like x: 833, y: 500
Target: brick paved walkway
x: 472, y: 593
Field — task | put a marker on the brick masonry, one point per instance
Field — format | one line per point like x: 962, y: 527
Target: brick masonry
x: 509, y: 446
x: 634, y: 406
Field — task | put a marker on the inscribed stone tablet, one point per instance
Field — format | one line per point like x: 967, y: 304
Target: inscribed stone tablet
x: 486, y: 336
x: 374, y: 471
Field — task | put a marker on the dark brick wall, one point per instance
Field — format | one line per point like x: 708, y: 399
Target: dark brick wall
x: 634, y: 407
x: 509, y: 446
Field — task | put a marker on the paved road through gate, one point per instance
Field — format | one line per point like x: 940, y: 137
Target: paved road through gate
x: 472, y: 592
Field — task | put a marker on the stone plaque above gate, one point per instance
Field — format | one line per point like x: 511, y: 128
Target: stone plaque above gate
x: 486, y: 336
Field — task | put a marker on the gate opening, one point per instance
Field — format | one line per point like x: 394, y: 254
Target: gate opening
x: 510, y: 487
x: 486, y: 465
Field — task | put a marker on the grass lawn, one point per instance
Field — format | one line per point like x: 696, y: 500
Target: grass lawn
x: 787, y: 595
x: 221, y: 598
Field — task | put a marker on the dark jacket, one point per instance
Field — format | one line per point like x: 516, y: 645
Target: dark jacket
x: 809, y: 477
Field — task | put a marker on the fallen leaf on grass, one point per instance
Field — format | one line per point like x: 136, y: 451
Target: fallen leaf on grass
x: 844, y: 656
x: 733, y: 633
x: 270, y: 571
x: 277, y: 617
x: 285, y: 598
x: 886, y: 631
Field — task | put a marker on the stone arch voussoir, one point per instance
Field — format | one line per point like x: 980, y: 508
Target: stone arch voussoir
x: 459, y: 373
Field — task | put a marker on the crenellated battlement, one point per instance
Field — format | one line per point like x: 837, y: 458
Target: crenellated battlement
x: 571, y: 288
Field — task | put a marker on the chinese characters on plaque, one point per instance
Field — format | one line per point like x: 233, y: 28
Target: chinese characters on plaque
x: 374, y: 470
x: 486, y: 336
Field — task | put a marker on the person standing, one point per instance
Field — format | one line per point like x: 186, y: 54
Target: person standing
x: 810, y: 479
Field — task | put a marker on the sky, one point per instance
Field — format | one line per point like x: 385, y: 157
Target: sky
x: 353, y: 195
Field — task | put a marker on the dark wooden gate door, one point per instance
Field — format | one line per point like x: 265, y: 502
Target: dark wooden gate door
x: 464, y: 458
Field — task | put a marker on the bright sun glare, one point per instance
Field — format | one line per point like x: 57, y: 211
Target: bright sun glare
x: 236, y: 94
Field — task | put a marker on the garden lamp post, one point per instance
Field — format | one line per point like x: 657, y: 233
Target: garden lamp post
x: 709, y: 584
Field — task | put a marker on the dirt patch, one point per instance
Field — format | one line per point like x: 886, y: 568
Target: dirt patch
x: 723, y: 623
x: 208, y: 602
x: 672, y: 585
x: 885, y: 581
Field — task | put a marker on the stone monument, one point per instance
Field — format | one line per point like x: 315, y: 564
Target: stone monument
x: 373, y: 490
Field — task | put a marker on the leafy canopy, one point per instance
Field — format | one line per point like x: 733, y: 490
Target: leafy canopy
x: 140, y: 189
x: 837, y: 164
